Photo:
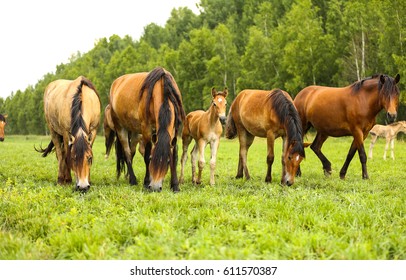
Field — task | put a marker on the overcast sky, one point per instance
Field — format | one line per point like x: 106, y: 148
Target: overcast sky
x: 37, y: 35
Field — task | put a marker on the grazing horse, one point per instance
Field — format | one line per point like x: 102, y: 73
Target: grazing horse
x: 72, y: 113
x: 110, y: 135
x: 267, y: 114
x: 389, y: 132
x: 347, y: 111
x: 149, y: 104
x: 204, y: 127
x: 2, y: 125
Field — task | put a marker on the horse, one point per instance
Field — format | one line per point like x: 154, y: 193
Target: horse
x: 204, y: 127
x: 347, y: 111
x: 389, y: 132
x: 110, y: 135
x: 149, y: 104
x: 72, y: 113
x: 267, y: 114
x: 2, y: 126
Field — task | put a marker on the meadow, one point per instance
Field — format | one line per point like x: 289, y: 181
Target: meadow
x: 317, y: 218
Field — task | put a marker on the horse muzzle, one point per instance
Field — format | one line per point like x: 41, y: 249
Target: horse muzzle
x: 1, y: 139
x: 391, y: 117
x: 223, y: 119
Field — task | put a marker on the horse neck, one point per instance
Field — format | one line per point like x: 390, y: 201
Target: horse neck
x: 212, y: 115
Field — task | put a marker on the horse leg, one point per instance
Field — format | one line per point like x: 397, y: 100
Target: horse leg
x: 193, y: 159
x: 201, y: 145
x: 246, y: 140
x: 60, y: 156
x: 185, y: 145
x: 123, y: 137
x: 357, y: 144
x: 270, y: 157
x: 371, y: 146
x: 213, y: 147
x: 386, y: 148
x: 392, y: 146
x: 316, y: 147
x: 173, y: 164
x: 147, y: 159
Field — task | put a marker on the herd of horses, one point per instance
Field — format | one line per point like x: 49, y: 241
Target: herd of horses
x: 146, y: 109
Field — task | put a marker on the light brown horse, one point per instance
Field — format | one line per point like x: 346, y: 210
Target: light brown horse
x: 149, y: 104
x: 389, y: 132
x: 204, y: 127
x: 2, y: 125
x: 72, y: 113
x: 110, y: 135
x: 347, y: 111
x: 267, y: 114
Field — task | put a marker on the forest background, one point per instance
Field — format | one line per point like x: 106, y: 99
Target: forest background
x: 287, y: 44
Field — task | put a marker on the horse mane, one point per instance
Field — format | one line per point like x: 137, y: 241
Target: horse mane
x: 77, y: 122
x: 162, y: 153
x: 288, y: 115
x: 387, y: 89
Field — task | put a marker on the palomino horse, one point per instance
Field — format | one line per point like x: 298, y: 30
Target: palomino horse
x: 205, y: 127
x: 110, y: 135
x: 2, y: 125
x: 267, y: 114
x: 149, y: 104
x: 348, y: 111
x: 389, y: 132
x: 72, y: 113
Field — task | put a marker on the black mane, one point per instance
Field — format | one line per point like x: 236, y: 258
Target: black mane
x: 288, y: 115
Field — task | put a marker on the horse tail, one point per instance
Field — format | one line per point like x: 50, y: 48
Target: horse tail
x: 47, y: 150
x: 120, y: 156
x: 231, y: 129
x: 110, y: 141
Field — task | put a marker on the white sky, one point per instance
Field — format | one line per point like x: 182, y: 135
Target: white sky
x: 37, y: 35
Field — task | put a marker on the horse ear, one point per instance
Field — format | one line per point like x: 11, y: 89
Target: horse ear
x: 397, y: 78
x: 213, y: 91
x: 225, y: 91
x: 382, y: 79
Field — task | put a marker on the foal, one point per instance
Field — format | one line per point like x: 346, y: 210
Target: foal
x: 388, y: 132
x: 204, y: 127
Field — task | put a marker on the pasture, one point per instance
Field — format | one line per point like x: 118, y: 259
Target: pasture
x: 316, y: 218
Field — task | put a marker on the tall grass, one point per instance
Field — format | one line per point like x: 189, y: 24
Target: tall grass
x: 316, y: 218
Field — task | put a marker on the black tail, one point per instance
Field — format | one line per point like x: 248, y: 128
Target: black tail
x: 231, y: 129
x: 47, y: 150
x: 110, y: 141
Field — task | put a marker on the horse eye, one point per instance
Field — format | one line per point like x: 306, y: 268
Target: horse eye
x: 289, y: 157
x: 214, y: 104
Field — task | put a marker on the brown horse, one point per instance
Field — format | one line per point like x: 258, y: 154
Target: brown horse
x: 347, y: 111
x: 205, y: 127
x: 267, y: 114
x: 2, y: 125
x: 149, y: 104
x: 389, y: 132
x: 72, y: 113
x: 110, y: 135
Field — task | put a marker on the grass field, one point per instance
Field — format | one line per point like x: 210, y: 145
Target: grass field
x: 316, y: 218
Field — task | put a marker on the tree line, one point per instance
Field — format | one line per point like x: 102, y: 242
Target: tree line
x: 240, y: 44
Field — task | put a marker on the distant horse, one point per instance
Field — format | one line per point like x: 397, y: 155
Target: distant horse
x: 149, y: 104
x: 2, y: 125
x: 347, y: 111
x: 110, y: 135
x: 72, y: 113
x: 204, y: 127
x: 267, y: 114
x: 389, y: 132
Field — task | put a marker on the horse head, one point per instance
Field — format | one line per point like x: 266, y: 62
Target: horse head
x: 292, y: 157
x: 80, y: 158
x: 389, y: 92
x: 219, y: 103
x: 2, y: 125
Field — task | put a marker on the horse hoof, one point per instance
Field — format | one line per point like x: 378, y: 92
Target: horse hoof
x: 327, y: 173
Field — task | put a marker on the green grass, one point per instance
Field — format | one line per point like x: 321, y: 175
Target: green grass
x: 316, y: 218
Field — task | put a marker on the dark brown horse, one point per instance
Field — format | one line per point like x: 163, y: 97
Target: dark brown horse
x: 347, y: 111
x: 149, y: 104
x: 72, y: 113
x: 267, y: 114
x: 2, y: 125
